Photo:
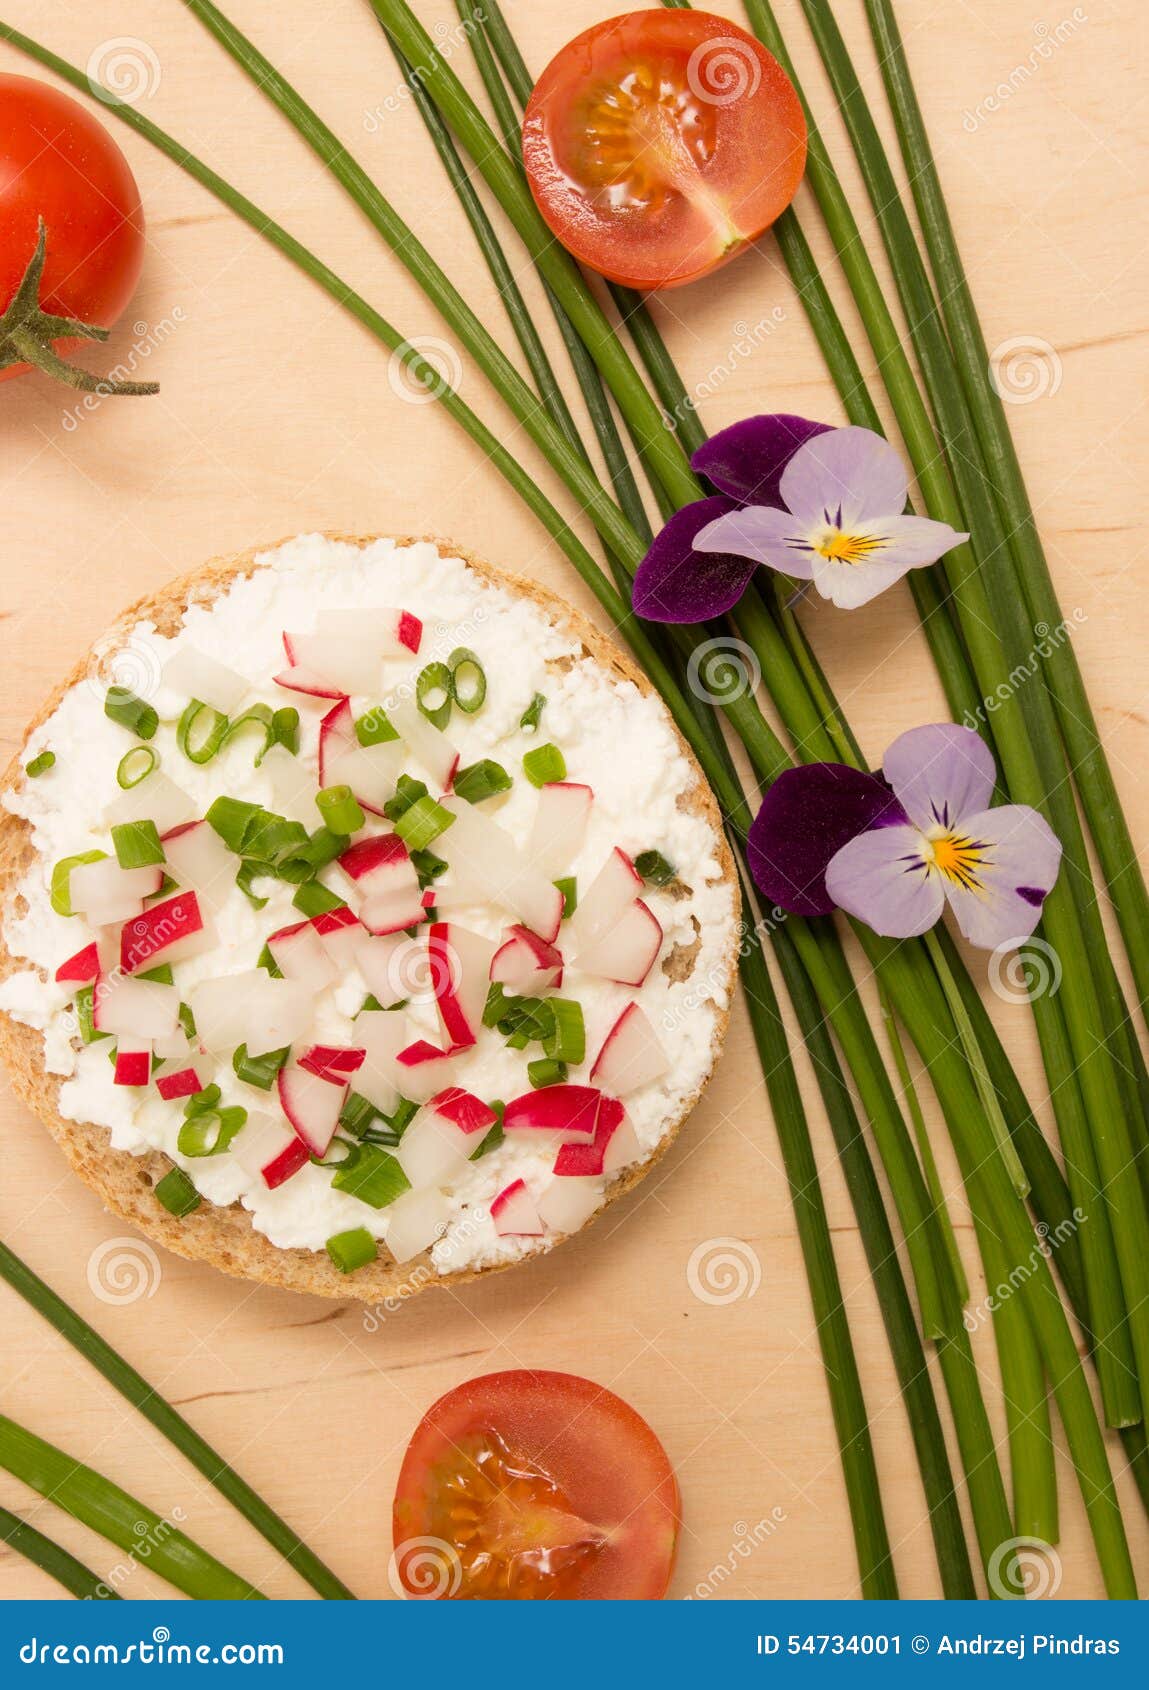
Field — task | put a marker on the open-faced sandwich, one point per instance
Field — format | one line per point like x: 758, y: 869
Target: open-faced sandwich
x: 366, y: 922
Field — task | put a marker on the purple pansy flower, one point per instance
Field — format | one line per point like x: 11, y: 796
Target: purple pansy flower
x: 842, y: 527
x: 894, y: 851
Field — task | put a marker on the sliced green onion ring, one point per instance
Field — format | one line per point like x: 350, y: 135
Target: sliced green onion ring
x: 433, y: 693
x: 130, y: 712
x: 40, y: 765
x: 201, y: 732
x: 481, y: 780
x: 209, y: 1131
x: 340, y: 809
x: 61, y: 893
x: 136, y: 765
x: 468, y: 680
x: 544, y: 764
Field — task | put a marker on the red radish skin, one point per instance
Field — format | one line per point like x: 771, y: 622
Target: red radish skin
x: 410, y: 631
x: 460, y: 965
x: 312, y: 1103
x: 514, y: 1213
x: 289, y: 1161
x: 158, y: 930
x: 332, y: 1062
x: 616, y: 885
x: 82, y: 968
x: 627, y: 952
x: 300, y: 956
x: 336, y: 732
x: 574, y: 1160
x: 463, y: 1109
x: 184, y: 1082
x: 333, y: 921
x: 302, y: 680
x: 392, y: 912
x: 379, y: 857
x: 423, y: 1070
x: 566, y: 1109
x: 631, y: 1055
x: 526, y: 963
x: 133, y: 1067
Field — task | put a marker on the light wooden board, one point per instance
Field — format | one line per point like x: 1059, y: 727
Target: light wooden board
x: 278, y: 414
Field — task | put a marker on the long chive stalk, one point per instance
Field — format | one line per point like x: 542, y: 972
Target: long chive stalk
x: 52, y: 1559
x: 1025, y: 730
x: 144, y: 1397
x: 921, y: 1016
x: 98, y: 1503
x: 1086, y: 754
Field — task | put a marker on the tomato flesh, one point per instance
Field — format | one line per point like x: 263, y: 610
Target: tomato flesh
x: 528, y: 1486
x: 658, y: 145
x: 59, y: 164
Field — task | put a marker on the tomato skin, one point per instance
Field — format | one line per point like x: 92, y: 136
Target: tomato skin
x: 601, y: 1456
x: 658, y: 145
x: 59, y: 164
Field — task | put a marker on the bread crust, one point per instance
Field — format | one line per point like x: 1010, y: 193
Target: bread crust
x: 124, y: 1182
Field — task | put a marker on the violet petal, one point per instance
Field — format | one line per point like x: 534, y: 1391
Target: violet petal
x: 746, y: 460
x: 674, y: 583
x: 806, y: 817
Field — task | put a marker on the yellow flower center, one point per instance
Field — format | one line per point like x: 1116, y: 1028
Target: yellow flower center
x: 839, y: 547
x: 957, y: 858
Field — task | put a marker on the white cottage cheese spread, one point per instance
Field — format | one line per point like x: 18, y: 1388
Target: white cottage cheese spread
x: 615, y: 740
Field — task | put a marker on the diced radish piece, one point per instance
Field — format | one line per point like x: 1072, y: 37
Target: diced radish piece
x: 261, y: 1140
x: 293, y: 786
x: 196, y: 675
x: 514, y: 1213
x: 424, y: 1070
x: 626, y: 953
x: 559, y: 827
x: 382, y: 1035
x: 306, y: 681
x: 335, y: 1063
x: 155, y: 799
x: 631, y: 1055
x: 391, y: 632
x: 141, y: 1009
x: 460, y: 969
x: 392, y: 912
x: 312, y: 1104
x: 199, y: 860
x: 371, y: 771
x: 133, y: 1062
x: 425, y: 742
x: 415, y: 1221
x: 567, y: 1204
x: 433, y: 1150
x: 622, y: 1148
x: 616, y: 885
x: 611, y: 1125
x: 485, y: 863
x: 340, y: 934
x: 381, y: 863
x: 252, y: 1009
x: 82, y: 968
x: 350, y: 659
x: 181, y: 1082
x: 409, y: 631
x: 375, y: 958
x: 171, y: 930
x: 466, y: 1111
x: 286, y: 1163
x: 526, y: 964
x: 300, y: 955
x: 571, y: 1111
x: 173, y: 1046
x: 103, y: 892
x: 336, y: 734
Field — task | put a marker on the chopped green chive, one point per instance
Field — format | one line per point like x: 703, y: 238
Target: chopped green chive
x: 544, y: 764
x: 357, y: 1114
x: 407, y: 791
x: 137, y: 844
x: 232, y: 819
x: 433, y: 693
x: 259, y: 1070
x: 375, y: 727
x: 271, y: 837
x: 481, y: 780
x: 424, y: 821
x: 208, y: 1132
x: 200, y: 732
x: 529, y: 720
x: 187, y: 1020
x: 653, y: 867
x: 256, y: 715
x: 161, y: 974
x: 266, y: 960
x: 313, y: 898
x: 468, y: 680
x: 305, y: 861
x: 491, y: 1139
x: 567, y: 1043
x: 568, y: 886
x: 131, y: 712
x: 284, y: 731
x: 373, y: 1175
x: 401, y: 1116
x: 40, y: 765
x: 136, y: 765
x: 61, y: 893
x: 427, y: 866
x: 340, y: 809
x: 351, y: 1250
x: 546, y: 1072
x: 177, y: 1193
x: 250, y: 870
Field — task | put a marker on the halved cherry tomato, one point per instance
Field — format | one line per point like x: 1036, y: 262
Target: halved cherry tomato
x: 658, y: 145
x: 531, y: 1486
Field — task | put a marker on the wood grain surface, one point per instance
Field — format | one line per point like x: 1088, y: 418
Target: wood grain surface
x: 278, y: 413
